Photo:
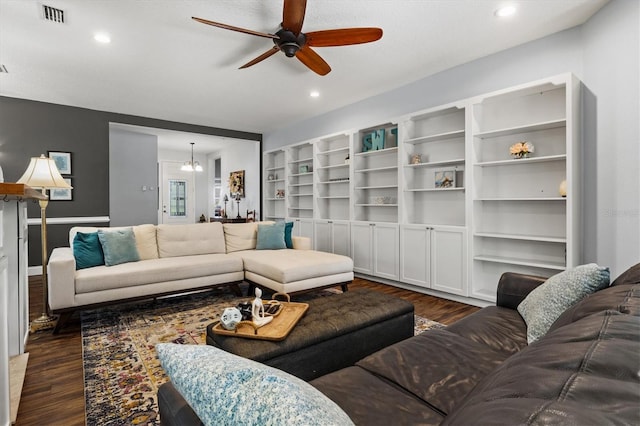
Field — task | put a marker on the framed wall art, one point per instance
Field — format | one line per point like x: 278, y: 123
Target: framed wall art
x: 62, y: 194
x: 62, y: 160
x: 236, y: 183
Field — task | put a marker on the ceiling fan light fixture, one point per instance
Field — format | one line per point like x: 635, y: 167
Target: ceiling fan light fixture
x: 290, y: 49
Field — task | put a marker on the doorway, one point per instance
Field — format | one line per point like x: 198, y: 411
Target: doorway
x: 178, y: 194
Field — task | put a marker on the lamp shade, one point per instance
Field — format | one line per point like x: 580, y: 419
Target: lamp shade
x: 42, y: 173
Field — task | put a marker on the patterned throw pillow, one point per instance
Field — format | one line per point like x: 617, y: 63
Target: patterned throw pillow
x: 547, y: 302
x: 225, y: 389
x: 119, y: 246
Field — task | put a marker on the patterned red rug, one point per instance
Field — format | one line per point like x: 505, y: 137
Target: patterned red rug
x: 121, y: 370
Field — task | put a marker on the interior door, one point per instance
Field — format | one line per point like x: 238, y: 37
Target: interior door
x: 178, y: 194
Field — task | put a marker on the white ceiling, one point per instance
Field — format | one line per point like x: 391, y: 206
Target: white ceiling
x: 162, y: 64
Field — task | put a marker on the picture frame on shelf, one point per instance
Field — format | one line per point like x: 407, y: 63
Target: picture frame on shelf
x: 62, y: 194
x: 62, y: 160
x: 444, y: 179
x: 304, y: 169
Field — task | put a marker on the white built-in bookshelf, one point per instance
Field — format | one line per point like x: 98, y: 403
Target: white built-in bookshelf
x: 443, y: 192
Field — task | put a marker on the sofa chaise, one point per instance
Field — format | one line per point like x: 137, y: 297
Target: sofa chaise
x: 480, y: 370
x: 170, y: 259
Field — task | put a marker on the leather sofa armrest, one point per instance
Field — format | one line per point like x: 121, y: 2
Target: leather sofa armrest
x: 61, y: 277
x: 514, y: 287
x: 301, y: 243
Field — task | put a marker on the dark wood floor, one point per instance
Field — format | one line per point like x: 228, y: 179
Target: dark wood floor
x: 53, y: 392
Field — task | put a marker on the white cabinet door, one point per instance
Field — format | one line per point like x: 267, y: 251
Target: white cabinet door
x: 303, y: 228
x: 414, y: 255
x: 385, y: 250
x: 341, y: 237
x: 361, y: 252
x: 323, y: 231
x: 449, y: 260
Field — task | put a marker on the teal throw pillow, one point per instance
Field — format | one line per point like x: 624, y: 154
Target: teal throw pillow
x: 87, y: 250
x: 271, y: 237
x: 548, y: 301
x: 288, y: 229
x: 225, y: 389
x: 119, y: 246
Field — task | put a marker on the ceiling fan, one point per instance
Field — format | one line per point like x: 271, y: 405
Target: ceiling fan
x: 293, y: 42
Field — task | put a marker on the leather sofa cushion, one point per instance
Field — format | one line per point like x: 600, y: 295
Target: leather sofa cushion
x: 154, y: 271
x: 287, y: 265
x: 623, y: 298
x: 561, y: 378
x: 498, y: 328
x: 370, y: 400
x: 189, y: 240
x: 439, y: 367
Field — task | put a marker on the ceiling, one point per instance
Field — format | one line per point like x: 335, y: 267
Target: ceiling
x: 162, y: 64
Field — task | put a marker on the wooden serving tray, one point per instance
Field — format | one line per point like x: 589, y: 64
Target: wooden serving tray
x: 279, y: 327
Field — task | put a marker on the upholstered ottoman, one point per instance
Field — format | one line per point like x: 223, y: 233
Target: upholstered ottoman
x: 335, y: 332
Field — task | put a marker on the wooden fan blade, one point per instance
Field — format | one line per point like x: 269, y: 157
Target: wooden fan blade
x: 232, y: 28
x: 262, y: 57
x: 343, y: 37
x: 312, y: 60
x: 293, y: 15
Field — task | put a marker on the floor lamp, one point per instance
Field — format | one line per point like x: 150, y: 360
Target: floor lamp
x: 43, y: 174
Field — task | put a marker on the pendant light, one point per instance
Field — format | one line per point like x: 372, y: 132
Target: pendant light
x: 190, y: 166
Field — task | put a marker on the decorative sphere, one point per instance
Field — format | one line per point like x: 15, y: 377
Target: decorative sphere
x: 230, y: 318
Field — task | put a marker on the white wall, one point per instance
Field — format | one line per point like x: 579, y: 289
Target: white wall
x: 612, y: 74
x: 604, y: 54
x: 241, y: 155
x: 132, y: 166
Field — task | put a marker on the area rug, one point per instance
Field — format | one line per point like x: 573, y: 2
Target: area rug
x: 121, y: 371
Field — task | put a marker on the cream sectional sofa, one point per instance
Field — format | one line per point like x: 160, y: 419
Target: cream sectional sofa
x: 180, y: 258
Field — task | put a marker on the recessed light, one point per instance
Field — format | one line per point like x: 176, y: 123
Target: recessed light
x: 505, y: 11
x: 102, y: 38
x: 314, y: 94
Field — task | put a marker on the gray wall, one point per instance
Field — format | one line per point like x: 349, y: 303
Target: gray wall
x: 604, y: 54
x: 30, y: 128
x: 133, y: 191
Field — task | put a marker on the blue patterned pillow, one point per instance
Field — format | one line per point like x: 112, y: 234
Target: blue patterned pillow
x: 119, y: 246
x: 271, y: 237
x: 548, y: 301
x: 225, y: 389
x: 87, y: 250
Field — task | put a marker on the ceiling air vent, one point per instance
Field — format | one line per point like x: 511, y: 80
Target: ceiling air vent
x: 52, y: 14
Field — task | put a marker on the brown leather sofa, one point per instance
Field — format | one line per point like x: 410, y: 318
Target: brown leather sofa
x: 480, y: 370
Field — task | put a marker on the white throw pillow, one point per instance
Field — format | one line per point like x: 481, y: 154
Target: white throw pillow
x: 548, y: 301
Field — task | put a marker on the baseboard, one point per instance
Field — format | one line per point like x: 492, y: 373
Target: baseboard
x: 430, y: 292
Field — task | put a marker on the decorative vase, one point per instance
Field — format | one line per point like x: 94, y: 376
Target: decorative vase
x: 562, y: 189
